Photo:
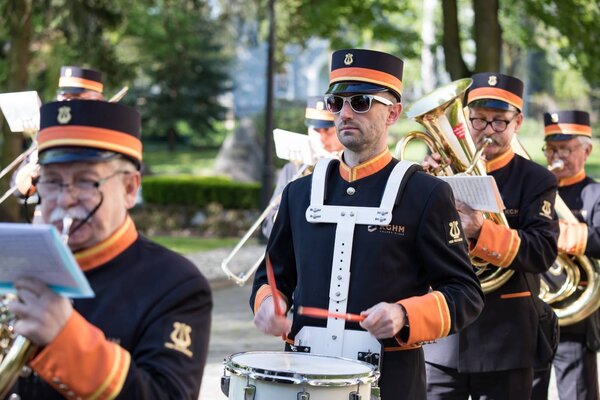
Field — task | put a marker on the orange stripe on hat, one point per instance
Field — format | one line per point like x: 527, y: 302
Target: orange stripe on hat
x: 495, y: 93
x: 85, y: 136
x: 70, y: 81
x: 568, y: 129
x: 324, y: 115
x: 366, y: 75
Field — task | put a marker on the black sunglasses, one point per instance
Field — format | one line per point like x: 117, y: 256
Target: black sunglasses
x: 360, y: 103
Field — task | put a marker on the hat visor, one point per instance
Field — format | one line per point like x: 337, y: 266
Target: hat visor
x: 561, y: 136
x: 62, y: 155
x: 71, y: 89
x: 355, y: 87
x: 319, y: 123
x: 493, y: 103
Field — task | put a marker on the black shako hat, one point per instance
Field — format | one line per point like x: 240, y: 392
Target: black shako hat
x: 365, y: 71
x: 565, y: 125
x: 76, y: 80
x: 493, y: 90
x: 88, y: 131
x: 316, y: 114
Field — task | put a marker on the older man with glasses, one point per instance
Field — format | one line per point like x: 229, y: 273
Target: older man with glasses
x: 568, y: 136
x: 145, y: 333
x: 368, y: 235
x: 494, y: 358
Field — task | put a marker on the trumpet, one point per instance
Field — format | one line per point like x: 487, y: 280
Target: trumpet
x: 447, y: 133
x: 16, y: 350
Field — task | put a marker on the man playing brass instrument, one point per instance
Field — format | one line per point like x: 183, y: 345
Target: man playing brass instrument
x: 568, y: 137
x: 145, y: 333
x: 321, y: 132
x: 368, y: 235
x: 494, y: 357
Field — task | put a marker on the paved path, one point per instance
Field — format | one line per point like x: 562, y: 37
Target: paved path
x: 232, y: 328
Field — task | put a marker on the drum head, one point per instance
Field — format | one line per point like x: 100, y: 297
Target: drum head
x: 301, y: 368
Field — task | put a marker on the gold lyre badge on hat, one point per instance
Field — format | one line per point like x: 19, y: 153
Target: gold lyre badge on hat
x: 181, y: 338
x: 68, y: 72
x: 349, y: 59
x: 64, y: 115
x: 320, y: 105
x: 493, y: 80
x: 554, y: 117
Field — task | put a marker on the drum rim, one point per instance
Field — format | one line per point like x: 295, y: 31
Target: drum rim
x: 296, y: 378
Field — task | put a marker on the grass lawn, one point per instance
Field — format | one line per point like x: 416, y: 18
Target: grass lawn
x: 188, y: 245
x: 182, y: 161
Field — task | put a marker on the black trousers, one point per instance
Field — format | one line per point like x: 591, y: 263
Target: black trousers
x: 403, y: 375
x: 449, y: 384
x: 576, y: 373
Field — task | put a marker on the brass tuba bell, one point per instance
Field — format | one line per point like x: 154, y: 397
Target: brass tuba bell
x: 447, y: 133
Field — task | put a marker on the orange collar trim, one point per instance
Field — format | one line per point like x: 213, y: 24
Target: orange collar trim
x: 365, y: 169
x: 500, y: 161
x: 578, y: 177
x: 109, y: 248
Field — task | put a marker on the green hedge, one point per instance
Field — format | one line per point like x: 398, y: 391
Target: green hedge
x: 187, y: 190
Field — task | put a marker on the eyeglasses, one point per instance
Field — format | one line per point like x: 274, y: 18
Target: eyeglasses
x: 498, y: 125
x: 563, y: 152
x: 82, y: 189
x: 360, y: 103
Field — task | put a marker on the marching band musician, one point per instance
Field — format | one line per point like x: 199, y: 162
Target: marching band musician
x: 145, y: 333
x: 494, y: 357
x: 324, y: 142
x: 568, y: 137
x: 404, y: 269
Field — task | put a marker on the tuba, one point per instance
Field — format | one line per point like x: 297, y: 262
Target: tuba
x: 441, y: 113
x: 577, y: 295
x: 16, y: 350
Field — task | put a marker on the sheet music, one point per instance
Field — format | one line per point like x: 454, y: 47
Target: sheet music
x: 37, y: 251
x: 21, y: 110
x: 479, y: 192
x: 293, y: 146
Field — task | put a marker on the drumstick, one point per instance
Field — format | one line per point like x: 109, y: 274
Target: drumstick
x: 324, y: 314
x: 271, y: 281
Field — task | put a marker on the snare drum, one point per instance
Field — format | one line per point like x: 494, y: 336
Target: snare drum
x: 296, y: 376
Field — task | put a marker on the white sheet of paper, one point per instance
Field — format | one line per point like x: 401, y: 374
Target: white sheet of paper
x: 479, y: 192
x: 37, y: 251
x: 21, y: 110
x: 293, y: 146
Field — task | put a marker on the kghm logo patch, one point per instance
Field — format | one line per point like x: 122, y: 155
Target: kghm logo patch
x: 181, y: 338
x: 391, y: 229
x: 454, y: 233
x: 546, y: 210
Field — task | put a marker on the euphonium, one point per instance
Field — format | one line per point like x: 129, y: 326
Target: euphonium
x: 578, y: 296
x: 447, y: 133
x: 16, y: 350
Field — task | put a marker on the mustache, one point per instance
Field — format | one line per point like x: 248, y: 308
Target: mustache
x: 481, y: 140
x: 58, y: 214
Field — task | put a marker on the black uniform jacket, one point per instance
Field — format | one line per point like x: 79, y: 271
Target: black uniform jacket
x: 417, y: 260
x: 144, y: 335
x: 505, y: 334
x: 582, y: 195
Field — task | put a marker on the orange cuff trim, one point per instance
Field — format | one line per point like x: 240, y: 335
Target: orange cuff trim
x: 578, y: 177
x: 497, y: 244
x: 515, y: 295
x: 568, y: 129
x: 80, y: 359
x: 429, y: 317
x: 109, y: 248
x: 370, y: 167
x: 500, y: 162
x: 85, y: 136
x: 402, y: 348
x: 366, y: 75
x: 495, y: 93
x: 324, y: 115
x: 262, y: 293
x: 81, y: 83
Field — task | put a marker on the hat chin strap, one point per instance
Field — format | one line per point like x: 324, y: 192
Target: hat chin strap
x: 89, y: 215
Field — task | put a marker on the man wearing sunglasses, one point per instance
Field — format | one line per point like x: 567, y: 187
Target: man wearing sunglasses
x: 494, y: 357
x: 324, y: 143
x: 368, y: 235
x: 145, y: 333
x: 568, y: 137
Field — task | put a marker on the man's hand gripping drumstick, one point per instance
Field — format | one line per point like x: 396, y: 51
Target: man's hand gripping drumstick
x: 270, y: 317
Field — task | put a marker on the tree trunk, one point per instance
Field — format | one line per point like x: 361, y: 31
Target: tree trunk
x: 19, y: 30
x: 455, y: 64
x: 488, y: 35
